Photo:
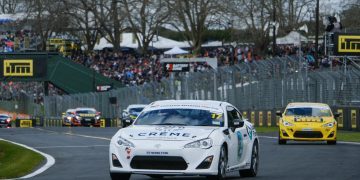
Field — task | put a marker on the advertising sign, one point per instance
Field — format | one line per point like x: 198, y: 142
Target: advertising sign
x: 347, y: 44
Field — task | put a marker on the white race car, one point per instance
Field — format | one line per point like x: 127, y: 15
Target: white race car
x: 185, y: 137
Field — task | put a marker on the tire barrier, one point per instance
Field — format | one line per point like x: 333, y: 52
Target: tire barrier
x: 349, y: 118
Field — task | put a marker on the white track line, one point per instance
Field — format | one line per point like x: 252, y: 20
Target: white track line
x: 72, y: 134
x: 50, y: 147
x: 50, y: 161
x: 339, y: 142
x: 86, y: 136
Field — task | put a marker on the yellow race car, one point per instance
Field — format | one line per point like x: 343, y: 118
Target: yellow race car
x: 307, y: 122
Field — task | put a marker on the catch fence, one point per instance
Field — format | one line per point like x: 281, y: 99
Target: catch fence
x: 261, y: 85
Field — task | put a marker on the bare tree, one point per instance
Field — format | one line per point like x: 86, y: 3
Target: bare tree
x: 255, y: 15
x: 46, y: 17
x: 110, y: 17
x: 291, y: 13
x: 82, y: 23
x: 145, y: 17
x: 193, y: 17
x: 9, y: 6
x: 350, y: 16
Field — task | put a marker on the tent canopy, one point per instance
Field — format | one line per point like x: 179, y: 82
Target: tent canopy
x: 292, y: 38
x: 176, y: 50
x: 129, y: 40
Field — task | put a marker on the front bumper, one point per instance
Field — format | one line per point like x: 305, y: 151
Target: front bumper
x: 90, y: 122
x: 5, y: 125
x: 301, y: 133
x: 179, y: 160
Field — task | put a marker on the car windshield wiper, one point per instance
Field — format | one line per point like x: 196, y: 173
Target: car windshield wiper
x: 177, y: 124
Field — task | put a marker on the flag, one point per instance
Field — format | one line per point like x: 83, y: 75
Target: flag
x: 304, y: 28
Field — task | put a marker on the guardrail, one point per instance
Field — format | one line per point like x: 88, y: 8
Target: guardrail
x: 348, y: 120
x: 58, y: 122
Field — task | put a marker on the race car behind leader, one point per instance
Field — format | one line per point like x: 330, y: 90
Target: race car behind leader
x: 307, y: 122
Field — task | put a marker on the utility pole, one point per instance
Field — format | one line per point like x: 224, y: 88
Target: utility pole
x: 274, y: 29
x: 317, y: 34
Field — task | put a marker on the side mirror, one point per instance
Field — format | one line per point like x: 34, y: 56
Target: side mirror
x: 337, y: 114
x: 238, y: 123
x: 278, y: 113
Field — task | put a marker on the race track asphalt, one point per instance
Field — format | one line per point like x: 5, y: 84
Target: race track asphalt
x: 82, y: 153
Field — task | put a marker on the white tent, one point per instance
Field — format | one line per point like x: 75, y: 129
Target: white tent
x: 292, y: 38
x: 129, y: 40
x: 176, y: 50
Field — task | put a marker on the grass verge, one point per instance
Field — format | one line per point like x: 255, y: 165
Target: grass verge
x: 349, y: 136
x: 17, y: 161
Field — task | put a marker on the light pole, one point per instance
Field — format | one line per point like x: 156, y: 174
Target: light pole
x: 316, y: 32
x: 274, y: 29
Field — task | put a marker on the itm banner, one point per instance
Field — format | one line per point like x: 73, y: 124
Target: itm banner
x: 23, y: 68
x: 25, y: 123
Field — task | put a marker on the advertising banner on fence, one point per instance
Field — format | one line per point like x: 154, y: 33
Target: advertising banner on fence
x: 26, y: 123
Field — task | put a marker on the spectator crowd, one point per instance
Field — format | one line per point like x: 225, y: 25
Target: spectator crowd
x: 133, y: 69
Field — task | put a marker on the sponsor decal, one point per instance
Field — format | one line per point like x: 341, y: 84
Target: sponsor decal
x: 87, y: 115
x: 164, y: 134
x: 240, y: 144
x: 18, y: 68
x: 217, y: 119
x: 249, y: 132
x: 157, y: 153
x: 169, y: 128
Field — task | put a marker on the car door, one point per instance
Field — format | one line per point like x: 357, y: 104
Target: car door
x: 244, y: 139
x: 236, y: 137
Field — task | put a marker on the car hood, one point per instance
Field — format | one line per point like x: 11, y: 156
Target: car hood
x: 166, y: 133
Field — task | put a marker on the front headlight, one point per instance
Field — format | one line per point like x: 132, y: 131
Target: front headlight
x: 97, y: 117
x: 123, y: 142
x: 285, y: 123
x: 329, y: 125
x: 78, y: 117
x: 203, y: 143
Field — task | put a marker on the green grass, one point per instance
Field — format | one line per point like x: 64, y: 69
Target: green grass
x: 17, y: 161
x: 350, y: 136
x: 266, y: 129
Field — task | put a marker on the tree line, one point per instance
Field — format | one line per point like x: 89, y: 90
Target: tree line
x: 193, y: 20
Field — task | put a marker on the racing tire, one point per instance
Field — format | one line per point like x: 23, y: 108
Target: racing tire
x: 223, y: 160
x: 120, y: 176
x: 281, y: 141
x: 331, y: 142
x: 156, y: 176
x: 252, y: 172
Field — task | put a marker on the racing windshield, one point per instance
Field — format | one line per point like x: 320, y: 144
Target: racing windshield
x: 135, y: 110
x: 3, y: 117
x: 85, y: 112
x: 183, y: 117
x: 308, y: 111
